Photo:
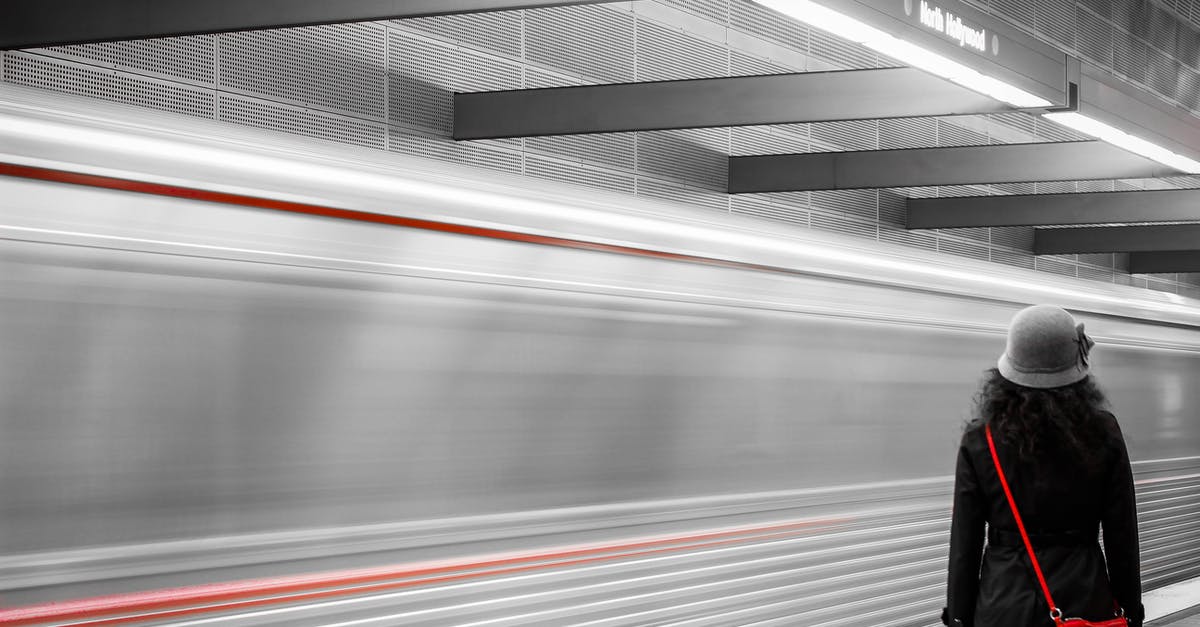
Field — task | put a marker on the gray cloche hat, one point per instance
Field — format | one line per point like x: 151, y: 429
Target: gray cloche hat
x: 1046, y: 348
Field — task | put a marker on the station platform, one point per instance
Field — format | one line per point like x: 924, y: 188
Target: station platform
x: 1176, y: 605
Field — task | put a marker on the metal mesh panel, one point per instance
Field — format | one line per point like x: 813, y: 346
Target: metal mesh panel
x: 486, y: 154
x: 592, y: 41
x: 1055, y: 20
x: 660, y: 49
x: 1020, y: 12
x: 1094, y: 186
x: 1055, y: 187
x: 497, y: 32
x: 188, y: 59
x: 1014, y: 188
x: 908, y: 133
x: 1054, y: 265
x: 760, y: 207
x: 715, y: 10
x: 963, y: 247
x: 978, y: 234
x: 1125, y: 15
x: 893, y: 209
x: 654, y: 188
x: 609, y: 149
x: 24, y: 68
x: 950, y: 191
x: 1129, y: 56
x: 766, y: 24
x: 301, y: 121
x: 1012, y: 257
x: 424, y: 74
x: 954, y: 135
x: 917, y: 239
x: 841, y: 223
x: 1094, y: 37
x: 1162, y: 72
x: 339, y: 67
x: 1019, y: 237
x: 848, y: 135
x: 842, y: 53
x: 862, y: 203
x: 686, y: 156
x: 1014, y: 127
x: 741, y: 64
x: 1161, y: 285
x: 765, y: 140
x: 1187, y: 47
x: 569, y: 172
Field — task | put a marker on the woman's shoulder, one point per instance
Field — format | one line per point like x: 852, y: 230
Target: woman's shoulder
x: 1108, y: 423
x: 974, y: 435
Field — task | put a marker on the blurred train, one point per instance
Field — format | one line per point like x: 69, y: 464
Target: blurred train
x: 184, y: 366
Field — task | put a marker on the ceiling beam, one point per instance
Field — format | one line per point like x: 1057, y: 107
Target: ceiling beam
x: 1117, y: 239
x: 1164, y: 262
x: 959, y: 165
x: 714, y: 102
x: 1051, y: 209
x: 40, y: 23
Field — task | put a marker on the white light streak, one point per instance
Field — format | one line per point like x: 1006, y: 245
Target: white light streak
x: 1121, y: 139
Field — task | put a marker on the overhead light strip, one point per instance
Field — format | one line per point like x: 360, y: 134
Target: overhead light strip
x: 1121, y: 139
x: 846, y: 27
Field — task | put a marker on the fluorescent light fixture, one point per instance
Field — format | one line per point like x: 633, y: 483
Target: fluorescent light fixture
x: 846, y: 27
x: 1121, y: 139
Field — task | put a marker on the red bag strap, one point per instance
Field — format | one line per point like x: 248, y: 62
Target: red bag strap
x: 1055, y: 613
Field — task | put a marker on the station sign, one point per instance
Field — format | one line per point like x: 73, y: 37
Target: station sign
x: 964, y: 34
x: 943, y: 21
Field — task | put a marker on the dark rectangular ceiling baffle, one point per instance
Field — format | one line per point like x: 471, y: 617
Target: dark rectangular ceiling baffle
x: 1117, y: 239
x: 1050, y: 209
x: 958, y: 165
x: 39, y: 23
x: 714, y: 102
x: 1164, y: 262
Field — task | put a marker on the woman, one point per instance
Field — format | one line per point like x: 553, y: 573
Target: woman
x: 1068, y: 470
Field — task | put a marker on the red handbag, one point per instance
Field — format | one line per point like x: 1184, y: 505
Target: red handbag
x: 1055, y: 613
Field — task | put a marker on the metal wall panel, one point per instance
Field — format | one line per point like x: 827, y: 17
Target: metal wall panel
x: 752, y: 18
x: 848, y: 135
x: 592, y: 41
x: 186, y: 59
x: 340, y: 67
x: 899, y: 133
x: 574, y: 172
x: 25, y: 68
x: 767, y: 140
x: 715, y: 10
x: 758, y: 206
x: 659, y: 50
x: 693, y: 156
x: 299, y: 120
x: 498, y: 32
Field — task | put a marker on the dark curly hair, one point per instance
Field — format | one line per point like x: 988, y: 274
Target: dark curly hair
x: 1054, y: 423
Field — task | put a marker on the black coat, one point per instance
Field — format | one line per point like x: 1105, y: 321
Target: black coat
x: 1062, y: 507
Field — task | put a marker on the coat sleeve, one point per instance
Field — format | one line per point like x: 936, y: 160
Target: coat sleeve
x: 966, y: 543
x: 1121, y: 535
